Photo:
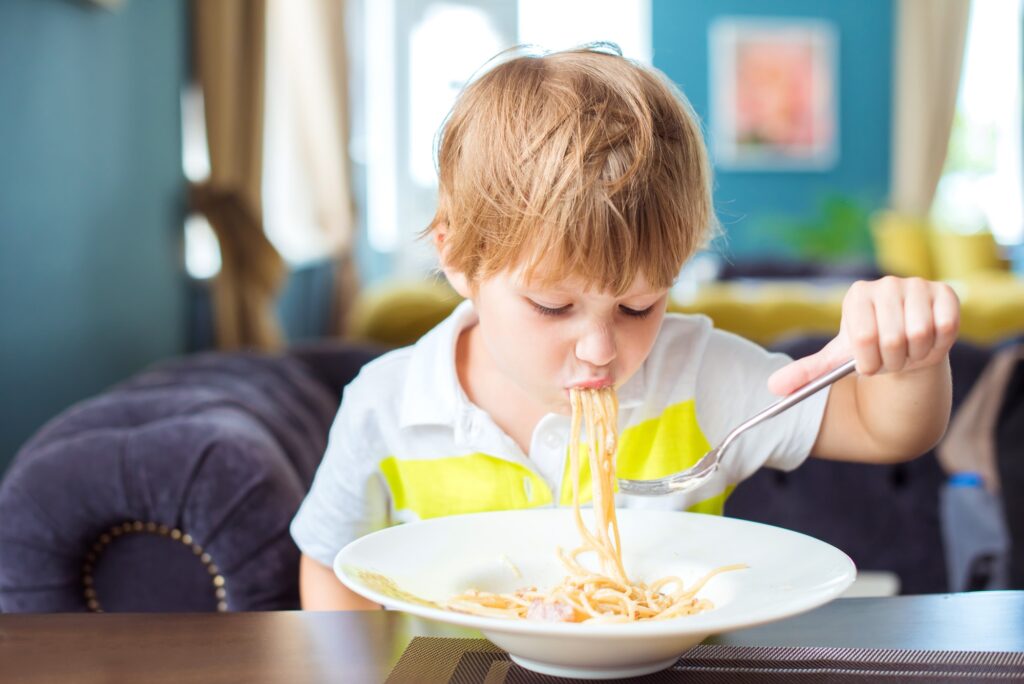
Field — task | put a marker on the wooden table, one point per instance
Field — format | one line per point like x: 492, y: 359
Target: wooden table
x: 297, y: 647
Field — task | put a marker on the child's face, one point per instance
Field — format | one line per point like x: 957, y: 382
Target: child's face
x: 547, y: 340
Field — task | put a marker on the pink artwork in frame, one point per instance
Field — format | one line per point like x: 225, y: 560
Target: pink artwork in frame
x: 773, y: 94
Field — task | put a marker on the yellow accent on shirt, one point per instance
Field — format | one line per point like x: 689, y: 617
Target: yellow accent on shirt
x: 654, y: 448
x: 477, y: 482
x: 462, y: 484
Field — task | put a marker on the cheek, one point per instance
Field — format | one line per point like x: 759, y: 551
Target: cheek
x: 637, y: 342
x: 529, y: 347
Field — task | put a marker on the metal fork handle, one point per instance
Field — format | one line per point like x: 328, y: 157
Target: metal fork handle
x: 706, y: 466
x: 786, y: 402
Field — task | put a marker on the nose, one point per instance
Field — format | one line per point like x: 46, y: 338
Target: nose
x: 596, y: 346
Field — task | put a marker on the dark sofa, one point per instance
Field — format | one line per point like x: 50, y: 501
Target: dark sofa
x: 174, y: 490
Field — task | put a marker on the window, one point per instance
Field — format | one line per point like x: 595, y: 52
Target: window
x: 981, y: 186
x: 417, y: 56
x: 202, y: 251
x: 568, y: 23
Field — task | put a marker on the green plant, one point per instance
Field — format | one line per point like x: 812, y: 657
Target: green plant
x: 838, y: 233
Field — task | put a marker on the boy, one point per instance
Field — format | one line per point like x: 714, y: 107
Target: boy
x: 573, y: 186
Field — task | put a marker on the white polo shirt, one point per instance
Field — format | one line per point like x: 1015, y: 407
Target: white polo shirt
x: 407, y: 444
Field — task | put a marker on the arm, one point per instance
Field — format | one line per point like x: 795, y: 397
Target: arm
x: 319, y: 589
x: 886, y: 418
x: 339, y: 506
x: 897, y: 406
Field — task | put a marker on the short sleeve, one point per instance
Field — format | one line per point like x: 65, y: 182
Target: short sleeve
x: 347, y: 499
x: 732, y: 386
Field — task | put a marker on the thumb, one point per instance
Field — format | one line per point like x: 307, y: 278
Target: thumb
x: 796, y: 374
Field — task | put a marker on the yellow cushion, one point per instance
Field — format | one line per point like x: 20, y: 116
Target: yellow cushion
x: 397, y: 314
x: 902, y: 245
x: 958, y: 256
x: 991, y: 306
x: 766, y: 312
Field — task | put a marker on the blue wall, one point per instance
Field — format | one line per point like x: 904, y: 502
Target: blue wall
x: 91, y: 196
x: 749, y: 202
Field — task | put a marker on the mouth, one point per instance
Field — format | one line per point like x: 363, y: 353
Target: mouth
x: 593, y: 383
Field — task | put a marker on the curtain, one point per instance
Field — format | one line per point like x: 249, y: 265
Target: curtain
x: 229, y: 45
x: 930, y: 38
x: 309, y: 40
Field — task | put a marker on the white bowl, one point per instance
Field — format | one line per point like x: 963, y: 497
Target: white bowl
x: 788, y: 573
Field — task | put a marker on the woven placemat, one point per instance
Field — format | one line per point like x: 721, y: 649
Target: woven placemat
x: 478, y: 661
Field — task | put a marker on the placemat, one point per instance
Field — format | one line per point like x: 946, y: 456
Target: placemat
x: 478, y: 661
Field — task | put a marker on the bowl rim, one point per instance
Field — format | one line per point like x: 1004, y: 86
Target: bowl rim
x: 711, y: 622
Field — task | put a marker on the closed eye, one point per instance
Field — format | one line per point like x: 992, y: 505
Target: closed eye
x: 635, y: 313
x: 548, y: 311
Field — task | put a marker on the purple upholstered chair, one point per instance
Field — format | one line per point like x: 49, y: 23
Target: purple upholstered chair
x: 174, y: 490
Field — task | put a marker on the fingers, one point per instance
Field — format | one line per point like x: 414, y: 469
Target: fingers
x: 792, y: 376
x: 888, y: 325
x: 795, y: 375
x: 895, y: 324
x: 946, y: 310
x: 861, y: 328
x: 890, y: 314
x: 919, y: 318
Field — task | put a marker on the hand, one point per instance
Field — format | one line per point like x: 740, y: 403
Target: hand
x: 888, y: 326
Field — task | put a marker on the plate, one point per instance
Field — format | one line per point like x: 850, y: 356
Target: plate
x: 414, y: 567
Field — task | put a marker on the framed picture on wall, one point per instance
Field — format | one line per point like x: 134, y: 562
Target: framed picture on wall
x: 773, y: 88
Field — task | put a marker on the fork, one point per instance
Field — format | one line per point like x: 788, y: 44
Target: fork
x: 708, y: 464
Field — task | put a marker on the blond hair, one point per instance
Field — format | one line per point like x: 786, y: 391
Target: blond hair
x: 575, y: 163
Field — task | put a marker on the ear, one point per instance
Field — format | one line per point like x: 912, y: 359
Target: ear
x: 457, y: 279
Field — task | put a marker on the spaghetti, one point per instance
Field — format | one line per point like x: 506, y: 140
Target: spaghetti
x: 585, y: 595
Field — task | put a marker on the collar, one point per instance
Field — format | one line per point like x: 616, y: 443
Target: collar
x: 431, y: 394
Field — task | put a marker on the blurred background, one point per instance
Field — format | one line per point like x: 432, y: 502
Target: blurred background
x: 233, y: 174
